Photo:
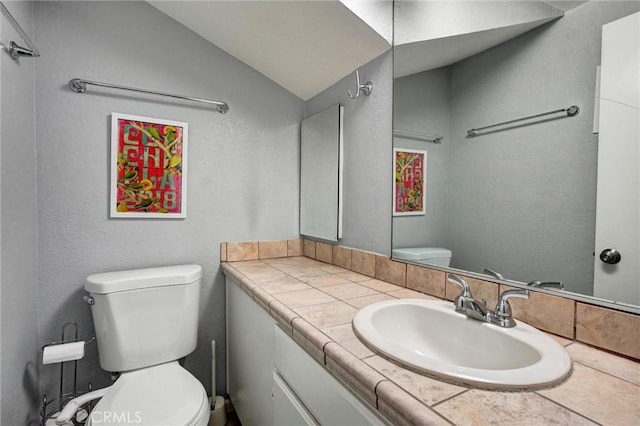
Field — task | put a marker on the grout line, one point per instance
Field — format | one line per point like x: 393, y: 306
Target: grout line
x: 575, y: 320
x: 375, y: 392
x: 450, y: 397
x: 567, y: 408
x: 608, y: 374
x: 308, y: 306
x: 442, y: 415
x: 324, y: 352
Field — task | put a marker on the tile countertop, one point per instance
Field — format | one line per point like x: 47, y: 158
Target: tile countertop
x: 315, y: 302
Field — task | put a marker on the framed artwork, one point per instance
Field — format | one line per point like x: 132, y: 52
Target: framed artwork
x: 148, y: 167
x: 409, y: 181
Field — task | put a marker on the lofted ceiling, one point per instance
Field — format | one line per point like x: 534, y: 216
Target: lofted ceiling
x: 431, y: 54
x: 308, y: 46
x: 304, y: 46
x: 565, y: 4
x: 433, y: 34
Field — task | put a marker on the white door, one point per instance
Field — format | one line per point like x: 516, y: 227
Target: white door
x: 617, y: 276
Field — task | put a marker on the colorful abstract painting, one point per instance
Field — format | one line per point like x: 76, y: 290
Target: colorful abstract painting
x: 148, y: 167
x: 409, y: 182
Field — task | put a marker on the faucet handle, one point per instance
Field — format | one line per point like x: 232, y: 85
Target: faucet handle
x: 503, y: 308
x: 493, y: 273
x: 465, y: 303
x: 543, y: 284
x: 466, y: 291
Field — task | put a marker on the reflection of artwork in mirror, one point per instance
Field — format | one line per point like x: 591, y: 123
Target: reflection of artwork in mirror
x: 409, y: 196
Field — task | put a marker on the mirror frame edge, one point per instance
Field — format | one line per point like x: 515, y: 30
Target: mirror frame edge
x: 590, y: 300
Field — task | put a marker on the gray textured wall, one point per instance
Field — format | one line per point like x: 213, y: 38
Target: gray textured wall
x: 515, y: 192
x: 367, y: 155
x: 243, y: 166
x: 19, y: 249
x: 421, y: 103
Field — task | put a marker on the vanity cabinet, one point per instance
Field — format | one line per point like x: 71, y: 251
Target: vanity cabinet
x: 273, y: 381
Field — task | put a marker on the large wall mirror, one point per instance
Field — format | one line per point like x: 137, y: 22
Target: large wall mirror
x: 523, y: 200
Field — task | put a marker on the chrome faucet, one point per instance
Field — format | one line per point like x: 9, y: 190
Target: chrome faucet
x: 500, y: 316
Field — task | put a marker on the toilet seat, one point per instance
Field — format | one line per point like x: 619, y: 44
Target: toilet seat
x: 162, y: 395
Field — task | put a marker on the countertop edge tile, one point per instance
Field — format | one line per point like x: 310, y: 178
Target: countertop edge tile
x: 245, y: 283
x: 262, y: 298
x: 283, y: 315
x: 357, y: 375
x: 310, y: 338
x: 402, y: 408
x: 228, y: 269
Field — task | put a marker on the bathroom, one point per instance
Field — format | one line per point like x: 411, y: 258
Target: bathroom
x: 243, y: 174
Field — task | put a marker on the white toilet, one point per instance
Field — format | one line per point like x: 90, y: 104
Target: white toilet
x: 424, y: 255
x: 145, y: 320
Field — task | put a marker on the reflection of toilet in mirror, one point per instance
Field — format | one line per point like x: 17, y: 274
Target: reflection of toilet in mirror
x: 426, y: 255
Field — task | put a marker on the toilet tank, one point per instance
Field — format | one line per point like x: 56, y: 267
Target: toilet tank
x: 424, y: 255
x: 145, y: 317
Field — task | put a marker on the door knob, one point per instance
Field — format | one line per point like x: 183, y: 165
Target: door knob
x: 610, y: 256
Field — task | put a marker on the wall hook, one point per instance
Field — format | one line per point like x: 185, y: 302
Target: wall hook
x: 365, y: 88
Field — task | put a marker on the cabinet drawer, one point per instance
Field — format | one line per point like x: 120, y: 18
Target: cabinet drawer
x: 328, y: 400
x: 287, y: 408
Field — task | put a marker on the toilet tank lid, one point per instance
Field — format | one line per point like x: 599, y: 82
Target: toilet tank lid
x: 113, y: 282
x: 420, y: 253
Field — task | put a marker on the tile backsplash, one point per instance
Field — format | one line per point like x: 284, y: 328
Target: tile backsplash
x: 601, y: 327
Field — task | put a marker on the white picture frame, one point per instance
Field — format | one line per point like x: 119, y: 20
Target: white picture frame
x: 148, y: 167
x: 409, y: 182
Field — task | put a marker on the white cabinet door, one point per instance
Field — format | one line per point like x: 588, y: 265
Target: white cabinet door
x: 273, y: 381
x: 287, y: 408
x: 249, y: 358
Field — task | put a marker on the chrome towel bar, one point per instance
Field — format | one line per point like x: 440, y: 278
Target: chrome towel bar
x: 417, y: 135
x: 15, y: 50
x: 570, y: 112
x: 80, y: 86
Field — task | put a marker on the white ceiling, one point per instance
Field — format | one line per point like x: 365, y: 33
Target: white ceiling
x: 565, y: 4
x: 305, y: 46
x: 308, y: 46
x: 431, y: 54
x: 433, y: 34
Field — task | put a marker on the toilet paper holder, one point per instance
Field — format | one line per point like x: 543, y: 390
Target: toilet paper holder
x: 69, y: 334
x: 64, y: 342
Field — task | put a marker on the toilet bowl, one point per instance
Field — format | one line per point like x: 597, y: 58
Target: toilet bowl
x: 425, y: 255
x: 162, y: 395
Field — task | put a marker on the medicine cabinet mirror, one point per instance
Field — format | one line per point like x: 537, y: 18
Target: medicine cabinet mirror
x: 321, y: 175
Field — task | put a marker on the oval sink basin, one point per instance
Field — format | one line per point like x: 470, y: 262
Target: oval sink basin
x: 428, y: 336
